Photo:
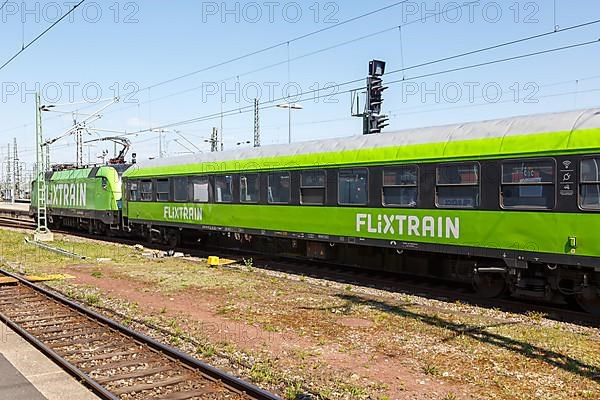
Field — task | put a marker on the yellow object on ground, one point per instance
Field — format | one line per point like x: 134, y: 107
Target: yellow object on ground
x: 215, y: 261
x: 5, y: 280
x: 46, y: 278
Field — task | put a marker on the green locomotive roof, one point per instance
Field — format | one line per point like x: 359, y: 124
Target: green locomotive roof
x: 84, y: 173
x: 555, y: 133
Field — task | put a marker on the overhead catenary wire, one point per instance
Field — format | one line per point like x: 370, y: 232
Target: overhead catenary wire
x: 502, y: 60
x: 277, y: 45
x: 496, y: 46
x: 396, y: 112
x: 403, y: 69
x: 249, y: 108
x: 408, y: 110
x: 460, y: 106
x: 302, y: 56
x: 239, y: 110
x: 38, y: 37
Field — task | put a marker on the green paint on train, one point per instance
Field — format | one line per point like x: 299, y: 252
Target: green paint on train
x: 470, y: 228
x: 77, y: 190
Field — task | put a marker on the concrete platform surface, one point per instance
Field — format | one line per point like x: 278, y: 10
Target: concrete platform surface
x: 13, y: 385
x: 27, y: 374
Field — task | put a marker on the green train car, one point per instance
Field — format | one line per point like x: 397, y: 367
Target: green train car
x: 511, y: 203
x: 86, y: 198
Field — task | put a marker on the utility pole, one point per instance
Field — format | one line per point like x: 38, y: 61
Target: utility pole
x: 256, y: 123
x: 15, y: 171
x: 160, y: 144
x: 78, y: 141
x: 42, y: 232
x: 9, y: 193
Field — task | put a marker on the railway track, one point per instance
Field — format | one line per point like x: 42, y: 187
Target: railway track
x: 114, y: 361
x: 425, y: 287
x: 12, y: 222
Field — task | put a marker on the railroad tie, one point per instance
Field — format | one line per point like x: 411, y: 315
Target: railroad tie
x: 76, y: 342
x: 14, y: 314
x: 38, y: 319
x: 58, y: 329
x: 89, y: 351
x: 19, y: 300
x: 187, y: 395
x: 77, y: 333
x: 133, y: 375
x: 119, y: 364
x: 149, y: 386
x: 111, y: 355
x: 63, y: 322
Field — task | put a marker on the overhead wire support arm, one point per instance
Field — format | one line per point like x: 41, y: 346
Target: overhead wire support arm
x: 122, y: 141
x: 79, y: 125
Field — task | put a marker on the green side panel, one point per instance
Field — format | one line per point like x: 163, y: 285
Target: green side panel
x: 74, y: 190
x: 526, y: 231
x: 544, y: 144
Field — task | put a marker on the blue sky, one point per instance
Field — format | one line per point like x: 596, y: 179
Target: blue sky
x: 115, y: 47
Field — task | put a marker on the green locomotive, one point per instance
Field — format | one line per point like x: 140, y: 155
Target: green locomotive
x: 85, y: 198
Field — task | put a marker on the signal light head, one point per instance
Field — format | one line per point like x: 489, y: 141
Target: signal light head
x: 376, y: 68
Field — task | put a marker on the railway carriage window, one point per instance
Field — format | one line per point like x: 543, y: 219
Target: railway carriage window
x: 312, y: 188
x: 200, y: 189
x: 134, y: 191
x: 180, y: 188
x: 146, y: 191
x: 400, y: 186
x: 249, y: 188
x: 528, y: 184
x: 589, y: 188
x: 279, y: 188
x: 162, y: 190
x: 458, y: 186
x: 352, y: 186
x: 224, y: 189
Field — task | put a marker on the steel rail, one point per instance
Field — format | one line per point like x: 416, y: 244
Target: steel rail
x: 210, y: 372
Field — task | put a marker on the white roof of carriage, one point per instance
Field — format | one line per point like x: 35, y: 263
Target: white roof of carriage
x: 514, y: 126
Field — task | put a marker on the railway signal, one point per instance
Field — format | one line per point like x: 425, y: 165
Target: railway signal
x: 373, y: 120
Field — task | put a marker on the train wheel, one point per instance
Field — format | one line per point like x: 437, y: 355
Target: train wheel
x: 172, y: 238
x: 589, y: 300
x: 489, y: 285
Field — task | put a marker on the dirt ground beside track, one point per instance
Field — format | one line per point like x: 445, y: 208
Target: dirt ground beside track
x: 298, y: 336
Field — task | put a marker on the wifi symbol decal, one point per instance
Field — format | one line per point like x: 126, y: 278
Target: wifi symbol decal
x: 567, y: 164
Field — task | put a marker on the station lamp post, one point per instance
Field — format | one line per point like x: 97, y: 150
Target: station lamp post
x: 290, y: 107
